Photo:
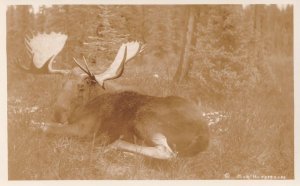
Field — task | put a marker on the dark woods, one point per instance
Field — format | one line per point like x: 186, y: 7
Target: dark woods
x: 222, y: 49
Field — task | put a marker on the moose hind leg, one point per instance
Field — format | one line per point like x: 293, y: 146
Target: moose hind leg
x: 161, y: 150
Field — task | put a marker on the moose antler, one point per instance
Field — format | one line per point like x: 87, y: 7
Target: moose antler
x: 116, y: 69
x: 42, y: 50
x: 126, y: 53
x: 86, y: 69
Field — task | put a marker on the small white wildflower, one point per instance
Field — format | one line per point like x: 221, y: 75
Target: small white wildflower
x: 210, y: 123
x: 156, y: 75
x: 227, y: 175
x: 34, y: 109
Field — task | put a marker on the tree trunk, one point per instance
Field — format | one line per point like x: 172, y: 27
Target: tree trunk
x: 185, y: 63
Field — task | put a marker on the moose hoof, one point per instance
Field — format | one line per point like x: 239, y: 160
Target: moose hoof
x: 166, y: 153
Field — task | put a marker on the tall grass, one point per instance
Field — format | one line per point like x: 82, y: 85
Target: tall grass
x: 254, y: 141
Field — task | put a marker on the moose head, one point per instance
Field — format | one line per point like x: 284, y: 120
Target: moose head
x: 42, y: 50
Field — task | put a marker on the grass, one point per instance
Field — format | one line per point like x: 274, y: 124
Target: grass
x: 254, y: 141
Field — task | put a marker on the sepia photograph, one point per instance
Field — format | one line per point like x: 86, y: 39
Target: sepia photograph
x: 150, y: 91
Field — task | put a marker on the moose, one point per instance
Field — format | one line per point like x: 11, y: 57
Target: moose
x: 155, y: 127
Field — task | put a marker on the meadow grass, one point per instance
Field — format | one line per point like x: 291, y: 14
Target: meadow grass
x: 255, y: 140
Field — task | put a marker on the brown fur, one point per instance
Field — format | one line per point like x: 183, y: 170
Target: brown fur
x: 130, y: 115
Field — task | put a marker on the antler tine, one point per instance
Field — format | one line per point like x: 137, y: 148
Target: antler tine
x: 27, y: 44
x: 87, y: 67
x: 17, y: 61
x: 140, y: 48
x: 32, y: 32
x: 27, y: 37
x: 143, y: 47
x: 29, y: 54
x: 80, y: 66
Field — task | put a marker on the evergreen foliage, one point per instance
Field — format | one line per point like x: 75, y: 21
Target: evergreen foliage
x: 230, y: 43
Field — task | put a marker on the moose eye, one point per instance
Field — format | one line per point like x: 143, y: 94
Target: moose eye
x: 80, y: 86
x: 89, y: 81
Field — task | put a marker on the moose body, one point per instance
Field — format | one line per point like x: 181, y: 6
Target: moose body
x: 136, y: 116
x: 157, y: 127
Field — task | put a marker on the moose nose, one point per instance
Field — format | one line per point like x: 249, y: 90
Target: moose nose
x: 60, y: 114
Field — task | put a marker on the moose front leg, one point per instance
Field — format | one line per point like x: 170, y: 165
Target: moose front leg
x: 64, y: 129
x: 161, y: 150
